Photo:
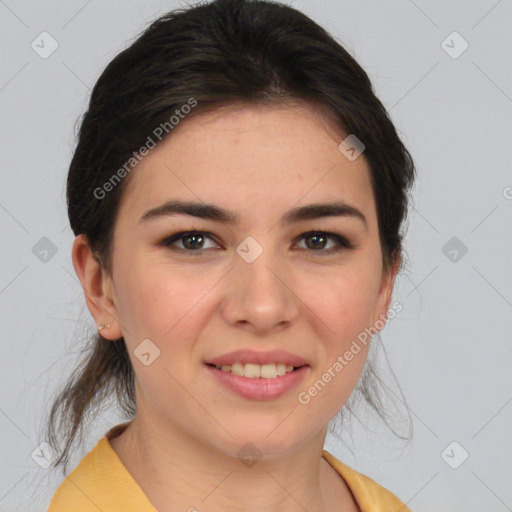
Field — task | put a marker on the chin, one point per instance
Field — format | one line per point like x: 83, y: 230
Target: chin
x: 258, y: 442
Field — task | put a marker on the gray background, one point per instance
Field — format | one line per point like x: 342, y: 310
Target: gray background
x: 449, y: 346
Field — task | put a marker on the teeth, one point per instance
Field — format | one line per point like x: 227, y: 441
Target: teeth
x: 253, y: 371
x: 268, y: 371
x: 237, y: 369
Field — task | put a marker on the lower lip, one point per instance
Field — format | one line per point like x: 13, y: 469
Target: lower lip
x: 258, y: 388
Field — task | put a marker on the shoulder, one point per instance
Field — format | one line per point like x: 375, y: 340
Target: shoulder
x: 370, y: 496
x: 99, y: 482
x: 81, y: 485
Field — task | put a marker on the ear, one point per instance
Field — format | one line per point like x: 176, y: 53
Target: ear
x: 97, y: 286
x: 385, y: 293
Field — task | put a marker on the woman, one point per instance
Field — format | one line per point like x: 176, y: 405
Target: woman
x: 237, y: 195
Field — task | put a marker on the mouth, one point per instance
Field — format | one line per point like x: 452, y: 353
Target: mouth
x: 258, y: 382
x: 258, y: 375
x: 255, y: 370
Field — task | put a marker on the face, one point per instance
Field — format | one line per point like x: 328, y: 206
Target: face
x: 259, y: 288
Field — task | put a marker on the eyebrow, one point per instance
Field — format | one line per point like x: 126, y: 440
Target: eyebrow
x: 216, y: 213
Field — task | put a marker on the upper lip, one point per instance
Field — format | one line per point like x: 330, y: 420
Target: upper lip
x: 258, y: 357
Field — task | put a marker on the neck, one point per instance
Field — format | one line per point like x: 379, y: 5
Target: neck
x: 170, y: 466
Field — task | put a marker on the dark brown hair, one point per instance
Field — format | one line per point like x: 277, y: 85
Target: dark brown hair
x: 219, y: 53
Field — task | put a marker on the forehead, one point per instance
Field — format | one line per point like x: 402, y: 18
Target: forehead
x: 252, y: 159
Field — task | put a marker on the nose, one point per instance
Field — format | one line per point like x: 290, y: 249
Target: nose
x: 259, y: 295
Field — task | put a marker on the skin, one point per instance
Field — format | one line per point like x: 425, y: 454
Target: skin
x: 258, y: 162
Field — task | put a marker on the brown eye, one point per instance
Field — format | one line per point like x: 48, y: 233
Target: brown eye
x: 191, y: 241
x: 318, y: 240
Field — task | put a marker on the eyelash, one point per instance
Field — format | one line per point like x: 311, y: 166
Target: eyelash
x: 342, y: 242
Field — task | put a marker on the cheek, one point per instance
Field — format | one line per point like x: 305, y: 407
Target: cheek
x: 345, y: 309
x: 163, y: 303
x: 345, y: 303
x: 159, y: 304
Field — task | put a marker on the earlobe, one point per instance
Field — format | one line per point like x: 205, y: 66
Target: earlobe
x: 95, y: 286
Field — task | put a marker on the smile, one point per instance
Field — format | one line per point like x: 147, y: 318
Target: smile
x: 253, y: 371
x: 249, y: 383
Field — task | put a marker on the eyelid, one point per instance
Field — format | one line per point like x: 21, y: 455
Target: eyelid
x: 178, y: 235
x: 340, y: 239
x: 342, y: 242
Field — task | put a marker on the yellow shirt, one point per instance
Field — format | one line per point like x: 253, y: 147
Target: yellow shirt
x: 101, y: 483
